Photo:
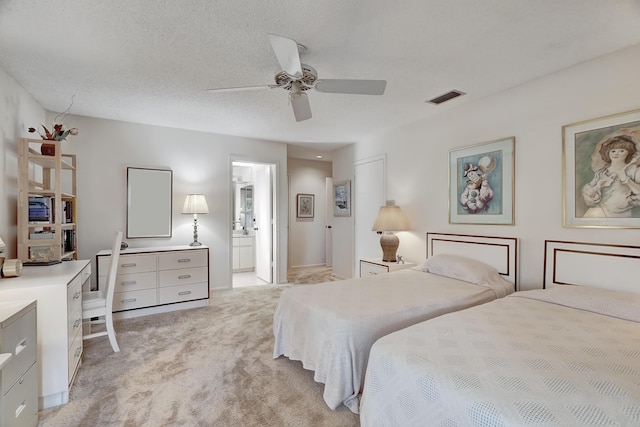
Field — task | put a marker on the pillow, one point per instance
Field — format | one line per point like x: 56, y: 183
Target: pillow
x: 468, y: 270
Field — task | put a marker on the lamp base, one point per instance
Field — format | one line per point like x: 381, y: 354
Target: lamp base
x: 389, y: 243
x: 195, y: 244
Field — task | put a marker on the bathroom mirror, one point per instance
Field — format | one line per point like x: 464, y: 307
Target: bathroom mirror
x: 149, y: 202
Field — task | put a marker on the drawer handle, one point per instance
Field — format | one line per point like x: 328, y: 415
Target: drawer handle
x: 373, y: 273
x: 77, y: 294
x: 78, y: 351
x: 184, y: 293
x: 184, y: 260
x: 184, y: 276
x: 21, y: 407
x: 130, y: 282
x: 77, y: 323
x: 124, y: 301
x: 21, y: 346
x: 132, y: 264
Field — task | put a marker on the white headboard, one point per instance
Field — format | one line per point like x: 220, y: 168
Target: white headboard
x: 499, y: 252
x: 615, y: 267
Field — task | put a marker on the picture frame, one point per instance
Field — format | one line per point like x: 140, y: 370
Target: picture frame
x: 305, y: 205
x: 481, y: 183
x: 342, y: 198
x: 600, y: 187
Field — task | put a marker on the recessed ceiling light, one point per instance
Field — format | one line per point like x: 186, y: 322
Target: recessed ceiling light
x: 318, y: 156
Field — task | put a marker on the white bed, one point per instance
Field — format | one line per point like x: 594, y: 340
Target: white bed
x: 566, y: 355
x: 330, y: 327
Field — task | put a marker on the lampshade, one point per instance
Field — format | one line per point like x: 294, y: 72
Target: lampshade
x: 390, y: 218
x: 195, y: 204
x: 2, y: 245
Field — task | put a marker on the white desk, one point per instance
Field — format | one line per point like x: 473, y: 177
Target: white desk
x: 58, y: 291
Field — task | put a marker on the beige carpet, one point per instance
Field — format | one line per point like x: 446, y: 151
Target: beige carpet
x: 209, y: 366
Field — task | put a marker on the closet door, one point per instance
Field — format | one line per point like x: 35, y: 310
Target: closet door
x: 263, y: 209
x: 369, y: 193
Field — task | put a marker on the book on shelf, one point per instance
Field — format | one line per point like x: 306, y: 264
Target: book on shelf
x: 69, y: 242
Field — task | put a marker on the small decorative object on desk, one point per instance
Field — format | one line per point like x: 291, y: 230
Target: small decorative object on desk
x: 400, y: 260
x: 12, y: 268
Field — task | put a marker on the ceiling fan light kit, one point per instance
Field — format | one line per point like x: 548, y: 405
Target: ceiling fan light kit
x: 297, y: 78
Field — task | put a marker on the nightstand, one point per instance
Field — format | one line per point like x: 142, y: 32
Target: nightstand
x: 370, y: 267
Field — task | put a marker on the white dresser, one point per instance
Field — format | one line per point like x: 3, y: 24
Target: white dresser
x: 18, y: 370
x: 370, y: 267
x: 58, y: 292
x: 157, y: 279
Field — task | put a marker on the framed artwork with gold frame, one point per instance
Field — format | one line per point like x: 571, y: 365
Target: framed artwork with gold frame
x: 481, y: 183
x: 601, y: 172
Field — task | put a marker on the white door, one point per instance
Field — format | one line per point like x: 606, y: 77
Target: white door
x: 368, y: 195
x: 263, y: 209
x: 328, y: 222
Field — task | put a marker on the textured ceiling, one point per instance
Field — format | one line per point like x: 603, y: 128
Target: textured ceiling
x: 151, y: 61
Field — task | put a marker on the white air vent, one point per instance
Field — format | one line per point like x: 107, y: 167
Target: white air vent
x: 446, y: 97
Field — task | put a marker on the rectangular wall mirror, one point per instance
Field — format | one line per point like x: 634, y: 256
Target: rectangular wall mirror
x: 149, y: 202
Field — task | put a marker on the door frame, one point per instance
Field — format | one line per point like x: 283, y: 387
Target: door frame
x: 274, y: 168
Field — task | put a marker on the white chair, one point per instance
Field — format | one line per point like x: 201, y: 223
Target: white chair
x: 98, y: 304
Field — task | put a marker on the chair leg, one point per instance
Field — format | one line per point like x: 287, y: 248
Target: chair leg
x: 111, y: 333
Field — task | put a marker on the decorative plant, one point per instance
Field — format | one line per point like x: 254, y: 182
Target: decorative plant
x: 58, y: 132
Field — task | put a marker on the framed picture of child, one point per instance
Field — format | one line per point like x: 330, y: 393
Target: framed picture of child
x: 481, y: 183
x: 601, y: 172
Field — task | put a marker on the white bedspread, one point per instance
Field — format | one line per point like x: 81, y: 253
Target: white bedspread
x: 330, y: 327
x: 527, y: 359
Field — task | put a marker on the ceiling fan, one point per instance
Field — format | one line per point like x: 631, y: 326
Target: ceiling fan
x: 297, y: 78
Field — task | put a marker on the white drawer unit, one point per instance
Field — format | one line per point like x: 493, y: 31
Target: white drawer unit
x: 374, y: 267
x: 153, y: 280
x: 243, y: 253
x: 18, y: 359
x: 58, y: 292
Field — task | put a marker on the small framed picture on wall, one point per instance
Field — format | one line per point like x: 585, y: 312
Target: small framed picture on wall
x: 305, y: 205
x: 342, y: 198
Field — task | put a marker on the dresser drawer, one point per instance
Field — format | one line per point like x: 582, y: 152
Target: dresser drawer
x: 370, y: 269
x: 74, y: 308
x: 183, y: 276
x: 75, y: 354
x: 18, y: 338
x: 180, y: 293
x: 135, y: 299
x: 20, y: 403
x: 133, y: 281
x: 128, y: 264
x: 182, y: 259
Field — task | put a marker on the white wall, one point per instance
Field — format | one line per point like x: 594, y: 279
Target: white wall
x: 307, y: 238
x: 19, y: 112
x: 417, y: 156
x: 343, y: 232
x: 201, y: 163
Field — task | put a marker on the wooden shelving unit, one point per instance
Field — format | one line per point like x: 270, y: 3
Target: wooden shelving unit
x: 50, y: 181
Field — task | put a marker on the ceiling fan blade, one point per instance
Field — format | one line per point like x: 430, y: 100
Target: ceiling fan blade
x: 301, y: 107
x: 356, y: 87
x: 286, y: 51
x: 241, y: 88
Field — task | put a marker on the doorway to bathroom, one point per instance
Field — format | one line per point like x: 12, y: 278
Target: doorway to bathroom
x: 252, y: 226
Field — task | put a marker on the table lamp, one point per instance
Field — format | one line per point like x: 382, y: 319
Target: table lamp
x: 195, y: 204
x: 390, y: 218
